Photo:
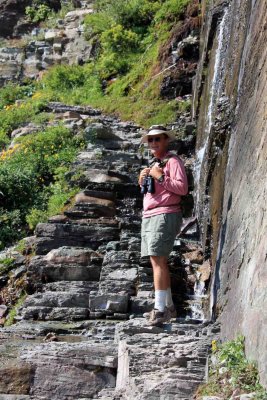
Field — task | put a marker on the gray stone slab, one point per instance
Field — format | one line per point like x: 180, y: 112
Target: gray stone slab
x: 55, y: 313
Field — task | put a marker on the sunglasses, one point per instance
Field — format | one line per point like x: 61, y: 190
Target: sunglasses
x: 154, y: 139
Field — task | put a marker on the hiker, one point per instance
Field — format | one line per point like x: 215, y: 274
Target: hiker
x: 162, y: 183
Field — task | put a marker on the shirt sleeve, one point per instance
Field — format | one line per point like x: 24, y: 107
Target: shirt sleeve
x: 175, y: 179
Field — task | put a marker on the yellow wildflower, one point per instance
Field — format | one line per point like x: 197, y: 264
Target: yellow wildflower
x: 36, y: 95
x: 214, y: 346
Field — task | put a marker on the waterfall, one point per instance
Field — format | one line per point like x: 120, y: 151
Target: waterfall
x: 215, y: 91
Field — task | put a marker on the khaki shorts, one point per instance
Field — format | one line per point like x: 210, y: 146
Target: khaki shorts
x: 158, y: 234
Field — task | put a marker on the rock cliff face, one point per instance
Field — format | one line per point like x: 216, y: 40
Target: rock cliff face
x: 230, y: 173
x: 87, y: 287
x: 65, y: 44
x: 12, y: 16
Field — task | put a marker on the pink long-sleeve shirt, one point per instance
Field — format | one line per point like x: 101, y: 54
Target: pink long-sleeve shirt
x: 167, y: 196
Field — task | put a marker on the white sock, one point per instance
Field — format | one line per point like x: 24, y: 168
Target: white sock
x: 169, y: 301
x: 160, y: 299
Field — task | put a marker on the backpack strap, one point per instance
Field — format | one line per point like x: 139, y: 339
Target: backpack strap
x: 161, y: 163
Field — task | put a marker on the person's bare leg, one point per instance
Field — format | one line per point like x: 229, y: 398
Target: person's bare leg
x: 161, y: 273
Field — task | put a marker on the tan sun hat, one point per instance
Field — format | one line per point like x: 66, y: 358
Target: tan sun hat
x: 157, y: 130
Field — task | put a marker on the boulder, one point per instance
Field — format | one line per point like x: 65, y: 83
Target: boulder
x: 195, y: 256
x: 72, y: 255
x: 25, y: 130
x: 116, y: 301
x: 81, y: 198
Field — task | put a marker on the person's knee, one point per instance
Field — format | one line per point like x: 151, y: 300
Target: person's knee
x: 159, y: 262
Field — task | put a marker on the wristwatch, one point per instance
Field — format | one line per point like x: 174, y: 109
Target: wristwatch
x: 161, y: 178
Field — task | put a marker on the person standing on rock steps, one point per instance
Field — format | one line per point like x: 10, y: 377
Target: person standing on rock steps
x: 162, y: 217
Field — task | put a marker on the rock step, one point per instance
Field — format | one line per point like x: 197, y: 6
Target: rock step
x: 16, y: 397
x: 48, y: 271
x: 62, y: 108
x: 104, y: 157
x: 74, y: 230
x: 54, y: 235
x: 81, y: 370
x: 55, y: 313
x: 90, y: 211
x: 71, y: 286
x: 57, y: 299
x: 76, y: 331
x: 79, y: 217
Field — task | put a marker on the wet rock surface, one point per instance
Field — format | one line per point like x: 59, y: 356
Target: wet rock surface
x: 88, y: 288
x: 230, y: 178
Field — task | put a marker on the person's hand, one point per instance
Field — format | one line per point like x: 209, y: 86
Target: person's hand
x: 156, y: 172
x: 145, y: 172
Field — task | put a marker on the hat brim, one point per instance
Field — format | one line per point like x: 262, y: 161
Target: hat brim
x: 154, y: 132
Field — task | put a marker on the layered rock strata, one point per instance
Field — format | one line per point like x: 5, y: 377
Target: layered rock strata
x: 80, y: 332
x: 230, y: 173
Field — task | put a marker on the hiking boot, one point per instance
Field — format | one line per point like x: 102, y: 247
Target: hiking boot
x: 157, y: 318
x: 172, y: 311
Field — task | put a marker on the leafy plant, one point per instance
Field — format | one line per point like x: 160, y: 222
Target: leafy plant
x: 230, y: 370
x: 119, y: 40
x: 124, y: 77
x: 10, y: 226
x: 6, y: 265
x: 15, y: 115
x: 12, y: 92
x: 60, y: 194
x: 171, y: 10
x: 13, y: 312
x: 129, y: 13
x: 38, y: 11
x: 21, y: 246
x: 52, y: 19
x: 29, y: 176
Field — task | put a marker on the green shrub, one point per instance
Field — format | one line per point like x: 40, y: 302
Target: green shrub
x: 6, y: 265
x: 126, y: 37
x: 38, y: 11
x: 4, y: 139
x: 64, y: 77
x: 134, y: 13
x: 231, y: 370
x: 42, y: 118
x: 12, y: 92
x: 119, y: 40
x: 15, y: 115
x: 13, y: 312
x: 59, y: 195
x: 21, y: 246
x: 28, y: 175
x: 110, y: 65
x: 53, y: 16
x: 72, y: 84
x: 10, y: 226
x: 171, y: 10
x: 96, y: 24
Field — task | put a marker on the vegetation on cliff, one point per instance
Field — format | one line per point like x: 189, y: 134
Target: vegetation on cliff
x: 230, y: 373
x: 124, y: 77
x: 32, y: 180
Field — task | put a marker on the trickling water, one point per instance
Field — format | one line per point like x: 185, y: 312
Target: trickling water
x: 195, y: 301
x: 199, y: 288
x: 215, y: 91
x: 218, y: 69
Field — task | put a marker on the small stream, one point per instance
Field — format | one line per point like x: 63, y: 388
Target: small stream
x: 202, y: 153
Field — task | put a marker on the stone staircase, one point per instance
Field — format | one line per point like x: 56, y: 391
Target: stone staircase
x: 80, y: 332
